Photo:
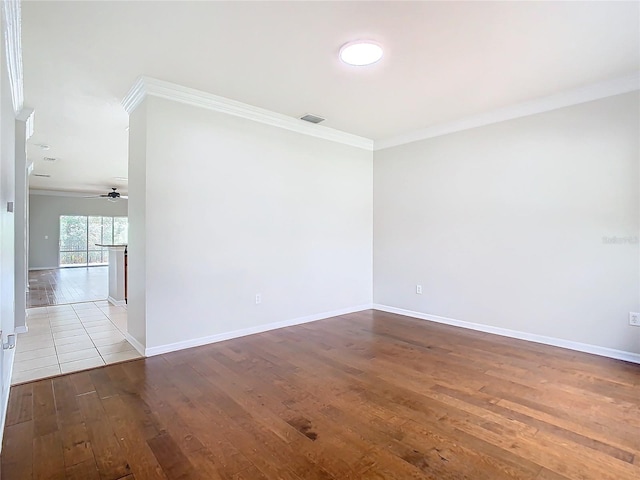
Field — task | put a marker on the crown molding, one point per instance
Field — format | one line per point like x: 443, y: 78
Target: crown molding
x: 146, y: 86
x: 27, y: 115
x: 567, y: 98
x: 12, y: 32
x: 57, y: 193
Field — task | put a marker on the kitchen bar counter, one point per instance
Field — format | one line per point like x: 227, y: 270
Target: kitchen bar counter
x: 117, y: 273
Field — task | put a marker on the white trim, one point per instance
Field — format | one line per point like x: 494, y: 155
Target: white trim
x: 33, y: 269
x: 567, y: 98
x: 11, y: 17
x: 8, y: 355
x: 196, y: 342
x: 61, y: 193
x: 505, y: 332
x: 117, y: 303
x: 136, y: 344
x: 27, y: 116
x: 145, y: 86
x: 21, y: 329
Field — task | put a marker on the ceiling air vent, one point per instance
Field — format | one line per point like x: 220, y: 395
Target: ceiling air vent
x: 45, y: 175
x: 49, y: 159
x: 309, y: 117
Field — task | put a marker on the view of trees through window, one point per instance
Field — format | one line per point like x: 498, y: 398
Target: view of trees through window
x: 79, y: 235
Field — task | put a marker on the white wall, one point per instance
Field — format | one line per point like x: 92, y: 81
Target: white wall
x: 44, y: 221
x: 235, y: 208
x: 137, y: 258
x: 503, y: 225
x: 7, y: 194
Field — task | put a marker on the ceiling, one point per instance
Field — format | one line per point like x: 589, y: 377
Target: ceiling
x: 443, y: 61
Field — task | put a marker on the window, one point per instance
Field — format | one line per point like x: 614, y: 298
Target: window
x: 79, y: 235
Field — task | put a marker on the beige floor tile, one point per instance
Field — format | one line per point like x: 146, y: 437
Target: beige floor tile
x: 37, y: 311
x: 29, y: 346
x: 83, y: 306
x: 74, y: 347
x: 35, y: 363
x: 87, y: 308
x: 96, y: 323
x: 29, y: 339
x: 70, y: 333
x: 66, y: 328
x: 93, y: 317
x: 38, y: 321
x: 121, y: 356
x: 78, y: 355
x: 39, y: 330
x: 63, y: 323
x: 35, y: 374
x: 101, y: 342
x: 113, y: 331
x: 71, y: 340
x: 120, y: 323
x: 113, y: 310
x: 63, y: 315
x: 101, y: 328
x: 81, y: 364
x: 35, y: 353
x: 122, y: 346
x: 119, y: 316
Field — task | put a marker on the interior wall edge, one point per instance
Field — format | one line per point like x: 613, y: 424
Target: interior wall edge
x: 9, y: 355
x: 133, y: 341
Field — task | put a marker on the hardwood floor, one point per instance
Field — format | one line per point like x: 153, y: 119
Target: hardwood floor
x: 67, y: 285
x: 364, y: 396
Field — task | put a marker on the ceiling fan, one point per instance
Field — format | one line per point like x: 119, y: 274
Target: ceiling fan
x: 112, y: 196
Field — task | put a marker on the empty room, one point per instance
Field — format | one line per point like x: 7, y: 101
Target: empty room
x: 320, y: 240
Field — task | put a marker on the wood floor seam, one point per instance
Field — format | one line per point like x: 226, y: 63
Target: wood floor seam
x: 369, y: 395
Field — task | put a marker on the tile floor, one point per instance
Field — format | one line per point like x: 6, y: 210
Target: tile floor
x: 67, y: 285
x: 69, y: 338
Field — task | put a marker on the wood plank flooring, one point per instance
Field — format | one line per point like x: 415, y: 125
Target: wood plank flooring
x: 60, y: 286
x: 364, y: 396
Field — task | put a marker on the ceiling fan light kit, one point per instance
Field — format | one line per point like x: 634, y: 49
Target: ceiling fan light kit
x: 112, y: 196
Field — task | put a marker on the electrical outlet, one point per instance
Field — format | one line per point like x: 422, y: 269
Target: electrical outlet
x: 419, y: 289
x: 258, y: 298
x: 634, y: 319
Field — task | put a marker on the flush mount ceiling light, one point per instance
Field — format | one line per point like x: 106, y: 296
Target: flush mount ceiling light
x: 360, y: 53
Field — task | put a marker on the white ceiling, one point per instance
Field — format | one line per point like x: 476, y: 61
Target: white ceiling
x: 443, y: 61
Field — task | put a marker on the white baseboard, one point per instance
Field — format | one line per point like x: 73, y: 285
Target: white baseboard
x: 117, y: 303
x: 33, y: 269
x: 21, y: 329
x: 136, y: 344
x: 8, y: 356
x: 505, y: 332
x: 196, y: 342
